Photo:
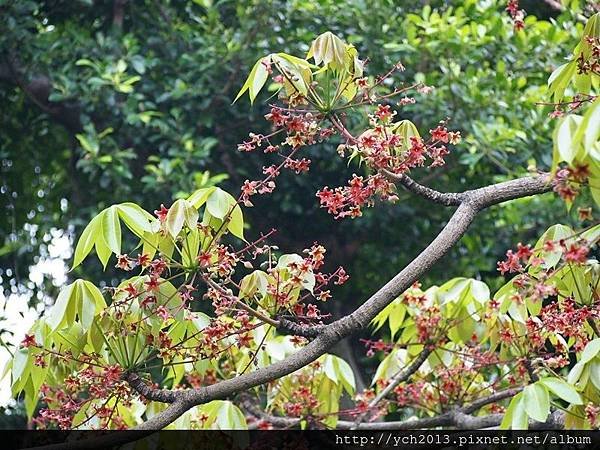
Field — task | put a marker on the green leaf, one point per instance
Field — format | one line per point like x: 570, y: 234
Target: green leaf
x: 236, y: 222
x: 223, y: 415
x: 559, y: 80
x: 219, y: 203
x: 150, y: 244
x: 102, y: 250
x: 255, y: 81
x: 562, y: 389
x: 515, y: 416
x: 328, y: 49
x: 57, y: 314
x: 594, y: 368
x: 86, y: 241
x: 396, y: 318
x: 564, y: 137
x: 519, y: 415
x: 19, y: 364
x: 190, y: 247
x: 111, y: 229
x: 199, y: 197
x: 346, y: 375
x: 406, y: 130
x: 91, y: 304
x: 136, y: 218
x: 592, y: 131
x: 590, y: 351
x: 554, y: 233
x: 575, y: 373
x: 257, y: 281
x: 537, y: 401
x: 181, y: 212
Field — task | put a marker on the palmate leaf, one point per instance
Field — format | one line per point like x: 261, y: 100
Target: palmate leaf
x: 79, y: 298
x: 104, y: 231
x: 328, y: 49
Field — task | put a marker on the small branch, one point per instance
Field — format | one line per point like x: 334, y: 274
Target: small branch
x: 241, y: 304
x: 400, y: 377
x: 446, y: 199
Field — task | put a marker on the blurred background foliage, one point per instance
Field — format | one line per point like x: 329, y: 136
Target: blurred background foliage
x: 106, y: 101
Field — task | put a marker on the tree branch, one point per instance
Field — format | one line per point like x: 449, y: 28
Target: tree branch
x: 472, y: 202
x: 461, y: 418
x: 446, y: 199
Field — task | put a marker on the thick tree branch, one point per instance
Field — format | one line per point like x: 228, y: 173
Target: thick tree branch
x: 158, y: 395
x: 460, y: 418
x: 471, y: 203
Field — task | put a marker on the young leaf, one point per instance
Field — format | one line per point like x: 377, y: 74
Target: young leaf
x: 176, y: 218
x: 102, y: 250
x: 136, y: 218
x: 111, y: 229
x: 199, y: 197
x: 328, y: 49
x: 58, y: 311
x: 92, y: 302
x: 236, y: 222
x: 536, y: 401
x: 87, y: 239
x: 590, y: 351
x: 256, y: 80
x: 219, y: 203
x: 562, y: 389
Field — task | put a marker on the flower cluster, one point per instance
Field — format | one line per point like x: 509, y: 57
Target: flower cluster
x: 517, y: 15
x: 567, y: 181
x: 386, y: 147
x: 347, y: 201
x: 91, y: 388
x: 513, y: 260
x: 591, y: 64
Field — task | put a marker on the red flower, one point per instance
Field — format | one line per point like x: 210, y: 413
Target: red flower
x: 29, y: 341
x: 124, y: 262
x: 440, y: 134
x: 152, y: 284
x: 143, y: 260
x: 204, y: 259
x: 161, y: 213
x: 163, y: 312
x: 384, y: 113
x: 576, y: 254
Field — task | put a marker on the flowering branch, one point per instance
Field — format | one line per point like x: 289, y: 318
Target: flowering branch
x: 472, y: 202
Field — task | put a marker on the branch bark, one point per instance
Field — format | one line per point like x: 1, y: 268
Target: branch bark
x: 460, y: 418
